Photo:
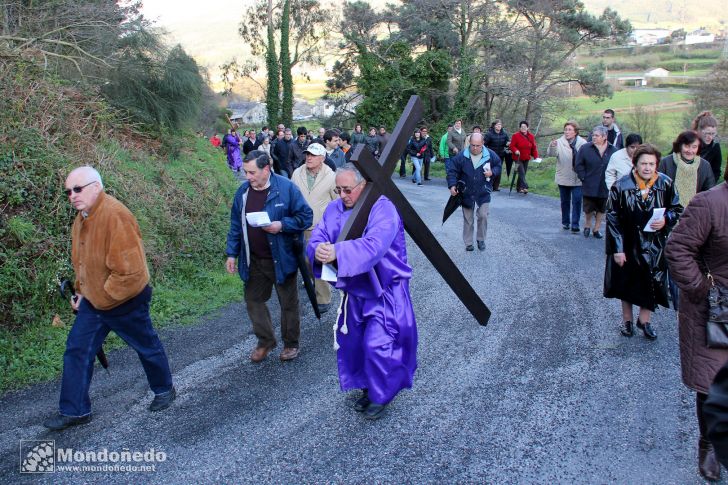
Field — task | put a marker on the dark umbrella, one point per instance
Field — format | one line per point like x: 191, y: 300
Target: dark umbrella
x: 67, y: 287
x: 454, y: 201
x: 513, y: 180
x: 305, y: 274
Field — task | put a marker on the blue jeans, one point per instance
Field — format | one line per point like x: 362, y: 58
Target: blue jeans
x: 570, y: 199
x: 417, y: 164
x: 84, y: 341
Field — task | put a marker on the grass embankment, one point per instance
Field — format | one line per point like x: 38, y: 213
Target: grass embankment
x: 179, y: 189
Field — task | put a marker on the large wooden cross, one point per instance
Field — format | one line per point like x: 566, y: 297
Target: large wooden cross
x: 379, y: 182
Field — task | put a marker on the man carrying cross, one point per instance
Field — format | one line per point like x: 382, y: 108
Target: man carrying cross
x: 375, y: 333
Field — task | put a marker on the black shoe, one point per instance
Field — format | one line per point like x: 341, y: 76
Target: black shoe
x: 363, y: 402
x: 481, y: 245
x: 162, y: 401
x: 402, y: 176
x: 586, y: 232
x: 627, y: 329
x: 375, y: 411
x: 414, y: 181
x: 597, y: 235
x: 647, y: 330
x: 496, y: 190
x: 565, y: 226
x: 427, y: 180
x: 575, y: 230
x: 469, y: 247
x: 419, y: 183
x: 59, y: 421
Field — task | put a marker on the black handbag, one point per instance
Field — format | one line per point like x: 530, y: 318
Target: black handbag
x: 716, y: 328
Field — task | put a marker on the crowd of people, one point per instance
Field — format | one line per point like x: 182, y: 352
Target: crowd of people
x: 665, y: 232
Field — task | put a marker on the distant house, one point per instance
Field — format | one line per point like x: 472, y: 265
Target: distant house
x: 248, y: 112
x: 699, y: 37
x: 323, y: 109
x: 635, y: 81
x: 658, y: 72
x: 650, y: 36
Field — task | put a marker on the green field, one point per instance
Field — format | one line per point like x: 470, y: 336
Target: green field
x: 626, y: 99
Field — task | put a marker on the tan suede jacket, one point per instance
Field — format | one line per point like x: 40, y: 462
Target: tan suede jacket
x: 108, y: 254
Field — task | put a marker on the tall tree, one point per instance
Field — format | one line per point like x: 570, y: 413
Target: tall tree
x: 272, y: 97
x: 286, y: 74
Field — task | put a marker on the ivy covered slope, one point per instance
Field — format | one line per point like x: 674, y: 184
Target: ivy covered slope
x: 177, y: 185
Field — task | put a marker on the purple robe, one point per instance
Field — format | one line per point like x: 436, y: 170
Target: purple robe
x: 232, y: 146
x: 375, y: 331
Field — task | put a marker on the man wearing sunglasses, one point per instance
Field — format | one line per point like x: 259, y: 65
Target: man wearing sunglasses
x: 112, y: 293
x: 375, y: 334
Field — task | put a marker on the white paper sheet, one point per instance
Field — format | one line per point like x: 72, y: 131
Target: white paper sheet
x: 657, y: 214
x: 328, y: 273
x: 258, y: 219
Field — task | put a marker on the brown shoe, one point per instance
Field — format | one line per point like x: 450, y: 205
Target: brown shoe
x: 707, y: 461
x: 289, y: 353
x: 260, y: 353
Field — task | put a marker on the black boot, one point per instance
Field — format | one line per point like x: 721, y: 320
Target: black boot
x: 647, y: 330
x: 707, y: 462
x: 627, y: 329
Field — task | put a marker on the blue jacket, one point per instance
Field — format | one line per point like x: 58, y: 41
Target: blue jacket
x: 477, y: 188
x: 285, y: 203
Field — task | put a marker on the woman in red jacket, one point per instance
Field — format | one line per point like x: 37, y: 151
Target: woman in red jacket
x: 523, y: 148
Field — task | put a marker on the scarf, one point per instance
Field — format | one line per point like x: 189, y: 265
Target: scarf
x: 686, y: 178
x: 645, y: 186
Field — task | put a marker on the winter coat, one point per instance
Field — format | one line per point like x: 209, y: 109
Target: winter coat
x: 417, y: 148
x: 525, y: 144
x: 455, y: 140
x: 250, y: 145
x: 705, y: 173
x: 565, y: 173
x: 382, y: 140
x: 296, y: 155
x: 620, y: 164
x: 286, y: 204
x: 643, y: 279
x: 712, y: 154
x: 590, y: 167
x: 338, y: 157
x: 357, y: 138
x: 477, y: 188
x: 320, y: 194
x: 496, y: 141
x: 700, y: 238
x: 372, y: 143
x: 280, y: 152
x: 443, y: 147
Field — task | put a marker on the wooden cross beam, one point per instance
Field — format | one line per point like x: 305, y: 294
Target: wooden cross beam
x: 379, y: 182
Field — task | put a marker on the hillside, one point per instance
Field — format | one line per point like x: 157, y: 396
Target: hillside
x: 178, y: 186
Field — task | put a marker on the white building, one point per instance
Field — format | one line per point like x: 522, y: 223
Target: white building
x: 650, y: 36
x: 699, y: 37
x: 659, y: 72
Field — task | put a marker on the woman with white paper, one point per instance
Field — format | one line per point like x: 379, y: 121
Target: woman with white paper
x: 636, y: 270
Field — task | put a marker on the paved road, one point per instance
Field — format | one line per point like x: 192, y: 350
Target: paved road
x: 548, y: 392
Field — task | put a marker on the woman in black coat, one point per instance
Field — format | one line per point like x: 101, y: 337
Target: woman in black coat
x: 497, y: 140
x: 416, y: 149
x: 636, y: 269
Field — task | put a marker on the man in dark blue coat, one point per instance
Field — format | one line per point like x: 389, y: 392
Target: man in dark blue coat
x: 476, y: 168
x: 264, y: 252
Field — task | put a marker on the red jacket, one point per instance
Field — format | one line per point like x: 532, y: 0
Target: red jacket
x: 215, y: 141
x: 525, y: 144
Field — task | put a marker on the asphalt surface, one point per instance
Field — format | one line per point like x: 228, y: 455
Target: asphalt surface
x: 547, y: 392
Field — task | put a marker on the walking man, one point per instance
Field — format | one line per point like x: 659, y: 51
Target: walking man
x: 112, y: 293
x: 476, y: 168
x: 264, y: 252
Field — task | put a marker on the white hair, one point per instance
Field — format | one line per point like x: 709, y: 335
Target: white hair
x: 91, y: 173
x: 350, y: 167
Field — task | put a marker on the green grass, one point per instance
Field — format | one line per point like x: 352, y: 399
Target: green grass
x: 625, y: 99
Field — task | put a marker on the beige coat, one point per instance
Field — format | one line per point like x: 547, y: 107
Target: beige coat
x: 322, y: 192
x: 565, y: 174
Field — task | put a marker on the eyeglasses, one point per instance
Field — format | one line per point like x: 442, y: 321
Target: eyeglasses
x: 346, y: 190
x: 77, y: 189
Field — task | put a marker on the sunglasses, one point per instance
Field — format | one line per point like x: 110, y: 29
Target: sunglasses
x: 78, y: 190
x: 346, y: 190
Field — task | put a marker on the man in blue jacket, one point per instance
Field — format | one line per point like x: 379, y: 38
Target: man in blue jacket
x: 476, y: 168
x: 264, y: 252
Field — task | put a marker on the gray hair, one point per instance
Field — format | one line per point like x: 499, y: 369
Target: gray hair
x: 350, y: 167
x: 601, y: 129
x: 91, y: 173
